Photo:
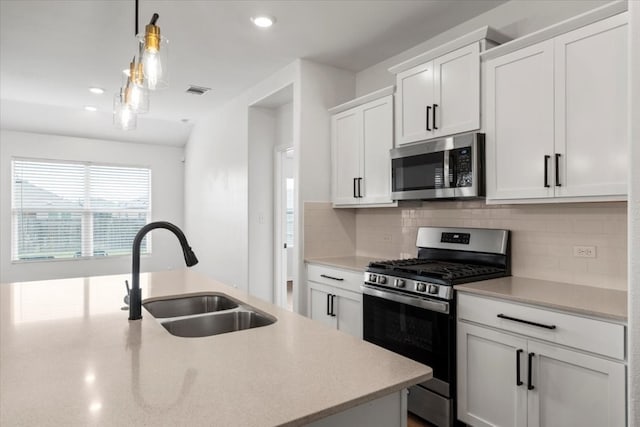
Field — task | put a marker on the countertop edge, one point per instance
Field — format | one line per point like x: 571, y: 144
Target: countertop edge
x: 356, y: 402
x: 335, y: 262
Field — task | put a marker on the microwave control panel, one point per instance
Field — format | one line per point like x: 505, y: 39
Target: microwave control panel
x: 463, y: 167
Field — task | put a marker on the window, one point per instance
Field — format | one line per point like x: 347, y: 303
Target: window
x: 64, y: 210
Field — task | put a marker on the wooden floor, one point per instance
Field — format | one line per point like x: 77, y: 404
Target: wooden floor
x: 414, y: 421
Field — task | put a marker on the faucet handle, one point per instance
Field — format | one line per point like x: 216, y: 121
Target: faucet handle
x: 126, y: 297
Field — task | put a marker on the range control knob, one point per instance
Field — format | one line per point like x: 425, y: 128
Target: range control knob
x: 382, y: 280
x: 373, y: 278
x: 433, y: 289
x: 421, y: 287
x: 399, y: 283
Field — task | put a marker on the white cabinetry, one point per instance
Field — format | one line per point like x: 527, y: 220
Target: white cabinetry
x: 440, y: 97
x: 335, y: 299
x: 526, y: 366
x: 362, y: 135
x: 556, y: 116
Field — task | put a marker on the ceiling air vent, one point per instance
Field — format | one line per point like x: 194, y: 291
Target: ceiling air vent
x: 198, y: 90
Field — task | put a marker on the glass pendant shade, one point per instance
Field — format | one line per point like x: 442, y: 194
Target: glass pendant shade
x: 123, y: 115
x: 135, y: 95
x: 154, y: 50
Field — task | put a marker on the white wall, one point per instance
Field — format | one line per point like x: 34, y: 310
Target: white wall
x: 167, y: 201
x: 217, y: 183
x: 216, y: 188
x: 262, y: 140
x: 514, y: 19
x: 634, y: 217
x: 321, y: 87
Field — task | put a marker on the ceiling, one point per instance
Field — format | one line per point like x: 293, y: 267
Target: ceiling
x: 52, y: 51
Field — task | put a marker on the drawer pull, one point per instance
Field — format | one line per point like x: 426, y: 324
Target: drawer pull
x: 339, y: 279
x: 528, y: 322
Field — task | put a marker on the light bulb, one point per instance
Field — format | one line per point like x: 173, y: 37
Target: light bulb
x: 152, y: 68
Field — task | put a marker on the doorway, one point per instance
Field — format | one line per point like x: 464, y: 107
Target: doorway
x: 284, y: 215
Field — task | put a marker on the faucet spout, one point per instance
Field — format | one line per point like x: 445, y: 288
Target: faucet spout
x: 135, y: 298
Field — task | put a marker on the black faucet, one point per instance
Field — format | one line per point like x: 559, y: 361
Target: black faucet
x: 135, y: 298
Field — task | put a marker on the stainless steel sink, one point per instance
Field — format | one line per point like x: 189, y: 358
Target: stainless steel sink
x: 205, y: 314
x: 220, y: 323
x: 189, y: 305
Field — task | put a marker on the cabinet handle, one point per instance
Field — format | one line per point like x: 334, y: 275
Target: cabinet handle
x: 546, y: 171
x: 427, y: 115
x: 518, y: 380
x: 328, y: 299
x: 528, y: 322
x: 529, y: 381
x: 434, y: 116
x: 354, y: 187
x: 339, y: 279
x: 558, y: 170
x: 333, y: 313
x: 360, y: 188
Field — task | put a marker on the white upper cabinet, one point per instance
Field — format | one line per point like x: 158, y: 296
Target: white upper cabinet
x: 414, y: 100
x: 345, y: 130
x: 556, y: 117
x: 362, y: 136
x: 519, y: 110
x: 440, y: 97
x: 591, y: 109
x: 438, y: 92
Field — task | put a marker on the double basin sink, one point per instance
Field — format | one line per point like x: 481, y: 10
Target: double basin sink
x: 205, y: 314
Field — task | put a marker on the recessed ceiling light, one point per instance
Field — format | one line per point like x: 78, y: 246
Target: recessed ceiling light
x: 90, y: 108
x: 263, y: 21
x: 96, y: 90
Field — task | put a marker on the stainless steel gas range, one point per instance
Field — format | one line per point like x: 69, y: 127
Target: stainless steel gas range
x: 409, y: 306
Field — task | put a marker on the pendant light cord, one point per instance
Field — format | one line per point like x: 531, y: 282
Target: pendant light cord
x: 136, y: 33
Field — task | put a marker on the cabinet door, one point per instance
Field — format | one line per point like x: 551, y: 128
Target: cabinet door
x: 573, y: 389
x: 319, y: 305
x: 348, y: 309
x: 487, y: 391
x: 377, y: 130
x: 346, y: 135
x: 519, y: 126
x: 414, y: 94
x: 591, y: 109
x: 457, y: 91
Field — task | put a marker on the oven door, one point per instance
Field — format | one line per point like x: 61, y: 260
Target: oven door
x: 418, y: 328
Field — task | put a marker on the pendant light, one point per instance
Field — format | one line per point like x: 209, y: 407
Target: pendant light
x: 147, y: 71
x: 123, y: 115
x: 136, y: 95
x: 154, y: 56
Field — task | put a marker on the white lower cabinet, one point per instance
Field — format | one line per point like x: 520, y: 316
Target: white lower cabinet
x: 337, y: 306
x: 512, y: 379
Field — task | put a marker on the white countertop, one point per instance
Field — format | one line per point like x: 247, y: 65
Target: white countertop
x: 587, y: 300
x: 355, y: 263
x: 69, y: 356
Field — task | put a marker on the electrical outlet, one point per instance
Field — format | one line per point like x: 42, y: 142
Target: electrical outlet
x: 584, y: 251
x: 387, y: 237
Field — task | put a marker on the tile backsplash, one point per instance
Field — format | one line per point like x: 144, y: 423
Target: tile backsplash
x: 542, y: 236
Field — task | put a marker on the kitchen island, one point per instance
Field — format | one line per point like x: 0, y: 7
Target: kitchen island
x: 69, y: 356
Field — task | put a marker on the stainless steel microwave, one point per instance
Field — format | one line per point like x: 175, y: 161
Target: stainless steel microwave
x: 448, y: 168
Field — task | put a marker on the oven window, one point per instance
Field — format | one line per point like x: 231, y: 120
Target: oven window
x: 419, y: 334
x: 423, y: 172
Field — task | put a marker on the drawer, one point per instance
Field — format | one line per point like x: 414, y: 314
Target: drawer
x: 595, y: 336
x: 338, y: 277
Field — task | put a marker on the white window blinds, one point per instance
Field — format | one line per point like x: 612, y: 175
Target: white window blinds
x: 73, y: 210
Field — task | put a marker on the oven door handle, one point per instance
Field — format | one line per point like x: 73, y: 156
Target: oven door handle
x: 427, y: 304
